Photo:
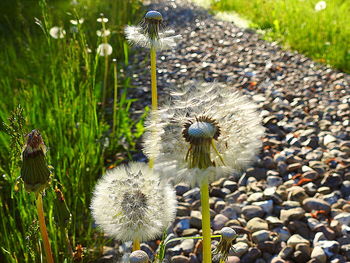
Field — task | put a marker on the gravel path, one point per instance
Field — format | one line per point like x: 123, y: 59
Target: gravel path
x: 293, y: 205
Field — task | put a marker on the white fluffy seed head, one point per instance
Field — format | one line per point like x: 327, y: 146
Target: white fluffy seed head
x: 237, y: 139
x: 137, y: 36
x: 104, y: 49
x: 57, y: 32
x: 131, y: 203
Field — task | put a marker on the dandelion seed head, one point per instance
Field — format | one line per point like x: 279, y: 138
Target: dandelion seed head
x: 150, y: 33
x: 131, y: 203
x: 57, y: 32
x: 220, y: 120
x: 104, y: 49
x: 321, y: 5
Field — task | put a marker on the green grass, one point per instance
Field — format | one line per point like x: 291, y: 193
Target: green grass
x: 323, y: 35
x: 58, y: 84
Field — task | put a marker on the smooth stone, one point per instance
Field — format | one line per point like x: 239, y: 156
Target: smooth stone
x: 274, y: 181
x: 283, y: 233
x: 181, y: 188
x: 190, y: 232
x: 239, y: 249
x: 183, y: 224
x: 256, y: 224
x: 193, y: 194
x: 251, y: 211
x: 219, y: 222
x: 187, y: 245
x: 258, y: 173
x: 252, y: 254
x: 292, y: 214
x: 180, y: 259
x: 331, y: 248
x: 297, y: 239
x: 297, y: 193
x: 196, y: 219
x: 261, y: 236
x: 319, y: 254
x: 286, y: 252
x: 255, y: 197
x: 310, y: 204
x: 328, y: 139
x: 233, y: 259
x: 343, y: 218
x: 219, y: 205
x: 231, y: 185
x: 267, y: 206
x: 183, y: 211
x: 230, y: 212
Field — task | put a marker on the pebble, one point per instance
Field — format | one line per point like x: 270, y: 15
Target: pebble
x: 319, y: 255
x: 311, y: 204
x: 251, y: 211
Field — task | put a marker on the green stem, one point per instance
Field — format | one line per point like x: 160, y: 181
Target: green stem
x: 43, y: 230
x: 206, y: 221
x: 153, y: 88
x: 115, y: 102
x: 105, y: 79
x: 136, y: 245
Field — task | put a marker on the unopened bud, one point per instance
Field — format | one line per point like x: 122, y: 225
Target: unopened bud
x: 34, y: 171
x: 61, y: 211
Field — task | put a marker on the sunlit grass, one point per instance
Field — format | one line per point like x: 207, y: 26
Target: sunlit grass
x: 323, y: 35
x: 59, y: 84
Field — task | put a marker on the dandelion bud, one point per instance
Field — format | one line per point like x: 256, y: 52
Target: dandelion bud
x: 34, y: 171
x: 228, y: 235
x: 139, y: 256
x: 151, y: 34
x: 62, y: 213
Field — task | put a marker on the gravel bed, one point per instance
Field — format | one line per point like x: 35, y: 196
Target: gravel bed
x: 293, y: 204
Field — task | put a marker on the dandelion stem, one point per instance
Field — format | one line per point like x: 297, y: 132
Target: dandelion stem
x: 206, y: 221
x: 136, y: 245
x: 154, y: 87
x: 105, y: 79
x: 154, y: 79
x: 43, y: 230
x: 115, y: 102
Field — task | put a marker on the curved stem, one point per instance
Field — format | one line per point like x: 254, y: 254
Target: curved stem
x: 206, y: 221
x: 43, y: 230
x: 136, y: 245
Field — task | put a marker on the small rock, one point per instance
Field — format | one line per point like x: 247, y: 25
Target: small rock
x: 219, y: 222
x: 292, y: 214
x: 343, y: 218
x: 180, y: 259
x: 319, y: 255
x: 196, y: 219
x: 256, y: 224
x: 239, y: 249
x: 251, y: 211
x: 187, y: 245
x: 181, y: 188
x: 297, y: 239
x: 286, y: 252
x: 311, y: 204
x: 261, y: 236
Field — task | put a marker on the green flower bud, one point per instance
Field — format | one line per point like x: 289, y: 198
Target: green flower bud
x: 34, y: 171
x: 62, y: 214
